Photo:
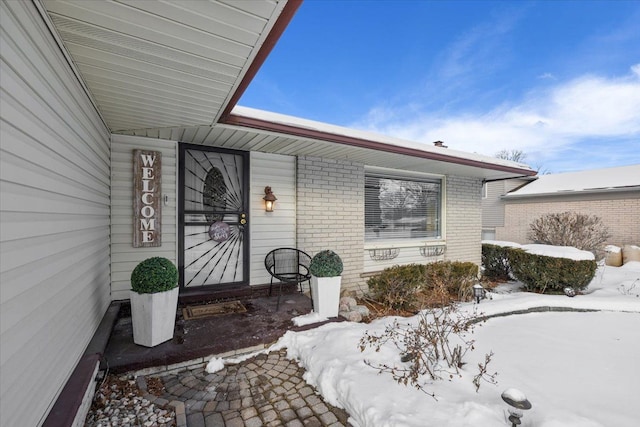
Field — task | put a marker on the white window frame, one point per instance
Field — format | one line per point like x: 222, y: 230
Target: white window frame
x: 409, y: 176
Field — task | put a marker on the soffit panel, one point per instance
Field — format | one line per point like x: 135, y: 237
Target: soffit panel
x: 232, y: 137
x: 138, y: 58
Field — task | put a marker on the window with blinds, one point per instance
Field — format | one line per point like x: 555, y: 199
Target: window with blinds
x: 399, y: 208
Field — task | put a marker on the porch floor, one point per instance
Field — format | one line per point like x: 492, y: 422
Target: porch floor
x: 261, y: 324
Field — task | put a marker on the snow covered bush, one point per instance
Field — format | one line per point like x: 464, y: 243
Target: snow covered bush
x: 495, y: 261
x: 432, y: 349
x: 586, y: 232
x: 541, y: 273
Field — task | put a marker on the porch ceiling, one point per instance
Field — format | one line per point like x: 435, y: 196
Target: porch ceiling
x: 156, y: 64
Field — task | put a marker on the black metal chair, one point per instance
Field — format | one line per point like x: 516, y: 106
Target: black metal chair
x: 288, y: 265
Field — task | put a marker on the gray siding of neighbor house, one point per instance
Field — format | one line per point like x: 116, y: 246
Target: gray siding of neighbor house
x: 331, y: 212
x: 619, y: 212
x: 124, y: 257
x: 54, y: 181
x: 492, y: 205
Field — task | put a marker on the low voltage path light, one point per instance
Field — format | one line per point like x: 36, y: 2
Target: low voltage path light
x: 478, y: 292
x: 269, y: 199
x: 517, y: 402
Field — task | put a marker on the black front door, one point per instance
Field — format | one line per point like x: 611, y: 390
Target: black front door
x: 213, y: 212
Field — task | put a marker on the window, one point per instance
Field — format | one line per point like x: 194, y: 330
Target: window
x: 398, y: 208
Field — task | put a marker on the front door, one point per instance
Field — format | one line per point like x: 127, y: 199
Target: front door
x: 213, y: 212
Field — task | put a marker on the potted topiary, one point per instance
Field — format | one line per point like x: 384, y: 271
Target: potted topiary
x: 325, y: 269
x: 154, y: 300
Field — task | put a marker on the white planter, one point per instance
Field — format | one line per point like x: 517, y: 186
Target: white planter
x: 326, y: 295
x: 153, y: 316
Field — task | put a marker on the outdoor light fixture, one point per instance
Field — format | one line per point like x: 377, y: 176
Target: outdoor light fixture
x: 269, y: 199
x: 478, y: 292
x: 517, y: 402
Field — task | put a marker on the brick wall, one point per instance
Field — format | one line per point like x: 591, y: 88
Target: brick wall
x: 464, y: 219
x: 621, y: 214
x: 330, y: 212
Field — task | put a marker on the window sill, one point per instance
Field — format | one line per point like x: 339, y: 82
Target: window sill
x: 409, y: 243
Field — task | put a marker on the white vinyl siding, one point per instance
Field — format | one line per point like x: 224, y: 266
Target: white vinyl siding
x: 277, y: 229
x: 124, y: 257
x: 54, y: 181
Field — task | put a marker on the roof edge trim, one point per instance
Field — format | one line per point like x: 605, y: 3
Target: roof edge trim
x: 278, y: 29
x: 287, y: 129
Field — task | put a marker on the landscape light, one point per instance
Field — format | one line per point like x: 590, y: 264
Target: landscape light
x: 517, y: 402
x: 478, y: 292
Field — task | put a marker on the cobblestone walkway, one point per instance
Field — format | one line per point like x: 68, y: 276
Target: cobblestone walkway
x: 266, y: 390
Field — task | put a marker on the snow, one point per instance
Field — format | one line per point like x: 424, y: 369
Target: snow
x: 546, y: 250
x: 308, y: 319
x: 559, y: 252
x: 215, y: 364
x: 330, y: 129
x: 612, y: 249
x: 578, y: 369
x: 617, y: 178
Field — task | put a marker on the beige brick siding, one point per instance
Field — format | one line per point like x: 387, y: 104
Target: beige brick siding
x: 621, y: 214
x: 463, y: 219
x: 330, y: 212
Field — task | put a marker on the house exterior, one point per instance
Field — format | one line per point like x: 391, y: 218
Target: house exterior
x: 121, y: 140
x: 493, y: 205
x: 613, y: 194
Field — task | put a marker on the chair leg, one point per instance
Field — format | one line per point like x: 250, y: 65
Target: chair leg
x: 279, y: 295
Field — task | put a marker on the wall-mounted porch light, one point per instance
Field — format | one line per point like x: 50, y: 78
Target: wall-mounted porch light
x: 269, y: 199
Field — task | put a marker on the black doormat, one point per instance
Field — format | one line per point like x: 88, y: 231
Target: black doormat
x: 191, y: 312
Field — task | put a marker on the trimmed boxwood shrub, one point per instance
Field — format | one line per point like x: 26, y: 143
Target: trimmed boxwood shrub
x: 543, y: 274
x: 153, y: 275
x: 326, y: 264
x: 398, y: 287
x: 495, y: 260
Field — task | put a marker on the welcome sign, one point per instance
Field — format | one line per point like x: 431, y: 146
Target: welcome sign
x: 147, y: 209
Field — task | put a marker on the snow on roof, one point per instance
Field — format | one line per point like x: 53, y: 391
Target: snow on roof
x: 330, y: 129
x: 594, y: 180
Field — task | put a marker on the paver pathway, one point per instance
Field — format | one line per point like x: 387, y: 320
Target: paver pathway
x: 266, y: 390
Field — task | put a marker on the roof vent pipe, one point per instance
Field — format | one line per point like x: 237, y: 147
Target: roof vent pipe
x: 439, y: 144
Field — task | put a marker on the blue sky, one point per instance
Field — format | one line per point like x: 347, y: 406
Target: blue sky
x: 559, y: 80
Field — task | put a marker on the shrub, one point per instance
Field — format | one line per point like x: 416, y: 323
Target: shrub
x: 326, y: 264
x: 495, y: 261
x: 543, y: 273
x: 398, y: 287
x: 410, y: 287
x: 435, y: 348
x: 153, y: 275
x: 569, y: 229
x: 455, y: 277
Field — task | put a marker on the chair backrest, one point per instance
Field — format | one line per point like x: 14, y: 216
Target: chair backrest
x: 287, y: 260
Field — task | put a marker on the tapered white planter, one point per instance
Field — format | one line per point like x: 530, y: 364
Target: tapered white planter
x: 326, y: 295
x: 153, y: 316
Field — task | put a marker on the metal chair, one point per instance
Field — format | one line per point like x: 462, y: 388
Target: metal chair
x: 288, y: 265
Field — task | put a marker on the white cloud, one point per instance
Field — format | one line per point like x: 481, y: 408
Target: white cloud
x: 547, y: 121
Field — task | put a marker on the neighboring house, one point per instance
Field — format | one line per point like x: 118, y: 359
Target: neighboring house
x: 493, y: 206
x: 86, y: 83
x: 613, y: 194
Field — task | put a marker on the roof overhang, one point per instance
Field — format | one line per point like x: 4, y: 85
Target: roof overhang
x: 158, y: 64
x: 175, y: 70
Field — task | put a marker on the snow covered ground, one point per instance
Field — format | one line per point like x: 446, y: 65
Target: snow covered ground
x: 578, y: 369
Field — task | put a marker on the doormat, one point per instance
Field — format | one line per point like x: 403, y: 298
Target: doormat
x: 191, y: 312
